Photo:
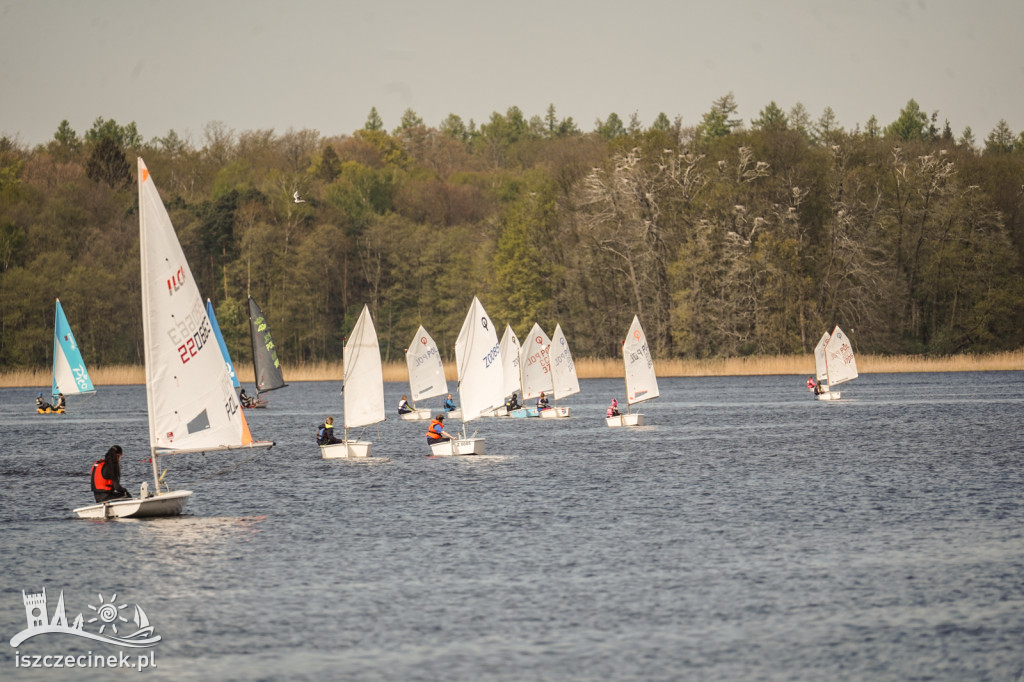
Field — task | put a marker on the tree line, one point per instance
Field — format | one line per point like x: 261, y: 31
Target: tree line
x: 726, y: 237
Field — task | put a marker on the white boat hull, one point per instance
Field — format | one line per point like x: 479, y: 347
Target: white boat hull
x: 634, y: 419
x: 417, y: 415
x: 350, y: 449
x: 829, y: 395
x: 555, y: 413
x: 167, y: 504
x: 460, y: 446
x: 454, y: 414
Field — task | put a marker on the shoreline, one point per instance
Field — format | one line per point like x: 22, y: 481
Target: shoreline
x: 591, y: 368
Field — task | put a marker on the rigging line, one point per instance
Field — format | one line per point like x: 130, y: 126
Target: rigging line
x: 222, y: 471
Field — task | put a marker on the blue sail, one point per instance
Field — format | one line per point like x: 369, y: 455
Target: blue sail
x: 70, y: 376
x: 223, y: 346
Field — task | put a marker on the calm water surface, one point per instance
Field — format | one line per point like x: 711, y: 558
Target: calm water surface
x: 747, y: 533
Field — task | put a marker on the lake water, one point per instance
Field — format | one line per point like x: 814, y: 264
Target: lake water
x: 747, y: 532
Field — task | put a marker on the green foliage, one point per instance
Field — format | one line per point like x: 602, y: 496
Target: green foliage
x: 724, y: 240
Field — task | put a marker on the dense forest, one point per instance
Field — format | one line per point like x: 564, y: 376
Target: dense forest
x: 727, y: 237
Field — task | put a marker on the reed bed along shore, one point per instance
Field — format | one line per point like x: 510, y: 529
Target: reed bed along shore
x: 591, y: 368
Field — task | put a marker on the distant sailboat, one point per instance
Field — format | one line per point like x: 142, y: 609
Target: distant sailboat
x: 834, y: 363
x: 362, y: 388
x: 70, y: 376
x: 266, y: 367
x: 230, y: 366
x: 641, y: 381
x: 478, y: 359
x: 563, y: 373
x: 190, y: 400
x: 535, y: 367
x: 512, y: 382
x: 426, y: 373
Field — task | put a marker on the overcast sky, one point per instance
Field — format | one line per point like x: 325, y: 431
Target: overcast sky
x: 257, y: 64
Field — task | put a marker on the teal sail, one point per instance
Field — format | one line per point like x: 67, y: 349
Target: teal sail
x: 223, y: 346
x: 70, y: 376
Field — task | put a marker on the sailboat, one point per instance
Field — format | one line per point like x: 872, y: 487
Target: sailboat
x: 641, y: 381
x: 426, y: 373
x: 191, y: 403
x: 535, y: 364
x: 509, y: 350
x: 834, y: 363
x: 230, y: 366
x: 70, y: 376
x: 362, y: 388
x: 563, y: 374
x: 265, y: 365
x: 478, y: 359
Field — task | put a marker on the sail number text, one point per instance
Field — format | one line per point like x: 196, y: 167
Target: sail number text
x: 191, y: 333
x: 491, y: 356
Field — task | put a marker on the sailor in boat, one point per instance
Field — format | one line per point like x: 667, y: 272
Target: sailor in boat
x: 512, y: 403
x: 448, y: 403
x: 403, y: 405
x: 613, y: 409
x: 42, y: 406
x: 811, y: 384
x: 245, y: 399
x: 325, y: 433
x: 60, y: 403
x: 818, y: 390
x: 106, y: 476
x: 436, y: 432
x: 543, y: 403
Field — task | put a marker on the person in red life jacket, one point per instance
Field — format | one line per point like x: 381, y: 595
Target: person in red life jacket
x: 106, y: 476
x: 436, y: 432
x: 811, y: 384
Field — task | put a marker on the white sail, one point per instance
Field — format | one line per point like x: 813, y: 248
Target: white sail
x: 426, y: 370
x: 820, y: 368
x: 192, y: 403
x: 510, y: 350
x: 478, y: 358
x: 535, y: 364
x: 563, y: 370
x: 364, y: 379
x: 641, y: 382
x: 839, y: 356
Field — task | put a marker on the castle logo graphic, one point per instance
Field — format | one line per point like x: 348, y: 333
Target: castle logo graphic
x: 110, y: 620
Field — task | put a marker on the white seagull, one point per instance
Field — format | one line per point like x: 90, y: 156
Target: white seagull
x: 298, y: 199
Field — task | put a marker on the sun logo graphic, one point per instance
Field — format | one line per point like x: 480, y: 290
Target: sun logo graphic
x: 108, y: 614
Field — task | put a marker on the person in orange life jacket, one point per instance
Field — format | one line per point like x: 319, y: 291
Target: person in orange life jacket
x: 325, y: 433
x: 436, y: 432
x: 106, y: 476
x: 542, y: 402
x: 613, y: 409
x: 403, y: 405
